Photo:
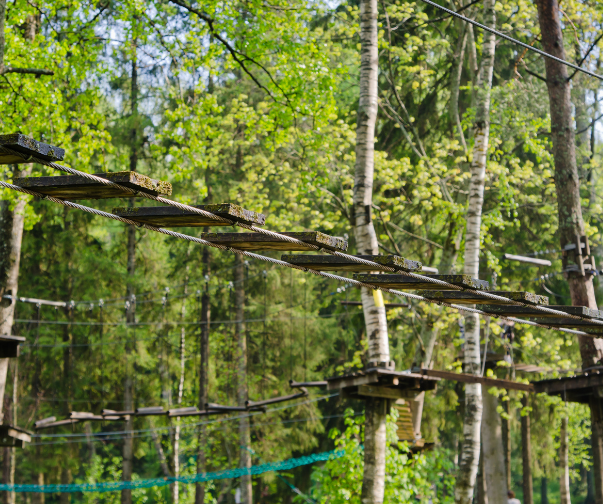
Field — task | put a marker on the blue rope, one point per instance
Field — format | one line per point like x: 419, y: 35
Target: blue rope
x: 160, y: 482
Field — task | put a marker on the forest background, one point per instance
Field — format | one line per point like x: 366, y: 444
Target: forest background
x: 255, y: 104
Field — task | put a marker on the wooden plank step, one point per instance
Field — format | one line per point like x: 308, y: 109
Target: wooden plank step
x: 570, y: 323
x: 14, y: 436
x: 333, y: 263
x: 258, y: 241
x: 166, y: 216
x: 9, y: 346
x: 75, y: 187
x: 524, y: 311
x: 403, y: 282
x: 30, y: 147
x: 466, y: 297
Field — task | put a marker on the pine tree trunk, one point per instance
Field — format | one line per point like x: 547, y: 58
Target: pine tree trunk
x: 526, y: 454
x: 567, y: 183
x: 544, y: 490
x: 564, y: 480
x: 455, y: 83
x: 373, y: 482
x: 494, y: 461
x: 473, y: 393
x: 242, y: 392
x: 203, y: 375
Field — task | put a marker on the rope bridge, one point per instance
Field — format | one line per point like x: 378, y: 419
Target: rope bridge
x: 113, y: 486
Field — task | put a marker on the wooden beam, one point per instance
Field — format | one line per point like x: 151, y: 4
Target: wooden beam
x: 29, y: 147
x: 523, y: 311
x: 469, y: 378
x: 167, y: 216
x: 333, y: 263
x: 574, y: 383
x: 339, y: 382
x: 466, y: 297
x: 403, y: 282
x: 387, y: 305
x: 75, y: 187
x: 258, y: 241
x: 384, y: 392
x: 9, y: 346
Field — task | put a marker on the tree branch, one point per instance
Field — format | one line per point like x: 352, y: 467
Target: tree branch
x: 33, y: 71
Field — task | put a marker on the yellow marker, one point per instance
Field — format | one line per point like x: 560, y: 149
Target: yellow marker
x: 378, y: 297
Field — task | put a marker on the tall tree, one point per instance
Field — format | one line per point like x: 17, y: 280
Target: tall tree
x: 373, y: 482
x: 526, y: 452
x: 473, y: 392
x: 569, y: 209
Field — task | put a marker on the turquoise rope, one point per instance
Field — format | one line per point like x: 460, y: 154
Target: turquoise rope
x: 159, y: 482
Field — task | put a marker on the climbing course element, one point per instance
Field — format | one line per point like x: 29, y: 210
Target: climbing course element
x: 26, y: 148
x: 337, y: 263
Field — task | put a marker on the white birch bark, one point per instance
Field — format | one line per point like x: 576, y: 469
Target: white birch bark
x: 473, y: 393
x: 564, y: 482
x: 494, y: 460
x: 373, y: 483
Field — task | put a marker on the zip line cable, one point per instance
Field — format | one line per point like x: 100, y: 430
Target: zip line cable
x: 288, y: 239
x: 511, y: 39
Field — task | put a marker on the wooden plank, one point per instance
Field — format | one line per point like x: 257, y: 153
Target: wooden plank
x: 75, y: 187
x: 14, y: 436
x: 384, y: 392
x: 403, y: 282
x: 258, y: 241
x: 469, y: 378
x: 524, y: 311
x: 573, y: 383
x: 467, y: 297
x: 30, y: 147
x: 339, y: 382
x: 388, y: 306
x: 167, y: 216
x: 333, y: 263
x: 570, y: 323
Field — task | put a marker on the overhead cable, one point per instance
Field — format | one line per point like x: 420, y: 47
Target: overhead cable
x: 511, y: 39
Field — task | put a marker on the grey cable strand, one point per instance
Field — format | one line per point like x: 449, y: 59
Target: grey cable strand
x: 511, y: 39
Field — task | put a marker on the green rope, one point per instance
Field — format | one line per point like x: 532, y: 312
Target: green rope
x: 159, y: 482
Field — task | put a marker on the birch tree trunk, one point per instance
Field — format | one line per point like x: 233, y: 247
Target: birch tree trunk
x: 571, y: 224
x: 526, y: 453
x: 494, y: 460
x: 373, y: 482
x: 242, y: 392
x: 473, y: 393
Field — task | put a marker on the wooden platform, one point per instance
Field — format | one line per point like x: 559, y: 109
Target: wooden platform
x: 258, y: 241
x: 74, y: 187
x: 333, y: 263
x: 9, y: 346
x: 14, y: 436
x: 466, y: 297
x: 402, y: 282
x: 29, y: 147
x: 578, y: 388
x: 470, y: 378
x: 523, y: 311
x: 382, y: 383
x: 166, y: 216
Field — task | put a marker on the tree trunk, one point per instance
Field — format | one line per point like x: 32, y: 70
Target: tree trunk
x: 242, y: 392
x: 571, y: 224
x: 526, y: 452
x: 203, y: 375
x: 176, y: 486
x: 11, y: 238
x: 506, y: 438
x: 128, y: 448
x: 544, y: 490
x: 473, y: 392
x: 494, y: 461
x: 482, y: 485
x: 373, y: 482
x: 455, y: 83
x: 564, y: 482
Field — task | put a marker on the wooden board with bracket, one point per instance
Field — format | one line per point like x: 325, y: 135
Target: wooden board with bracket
x: 468, y: 297
x: 334, y: 263
x: 9, y: 346
x: 259, y: 241
x: 76, y: 187
x: 14, y: 436
x: 28, y: 147
x: 403, y: 282
x: 169, y: 216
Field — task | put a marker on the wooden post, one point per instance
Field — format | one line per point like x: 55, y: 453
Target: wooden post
x: 526, y: 452
x: 564, y: 481
x: 571, y: 224
x: 506, y: 437
x: 492, y: 443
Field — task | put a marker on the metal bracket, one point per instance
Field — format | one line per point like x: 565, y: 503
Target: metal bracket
x: 576, y: 257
